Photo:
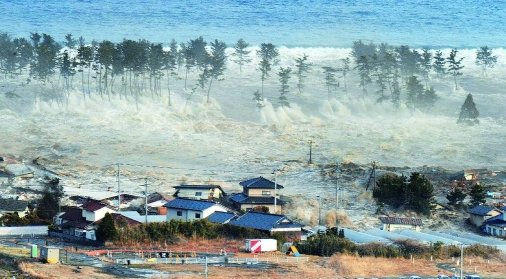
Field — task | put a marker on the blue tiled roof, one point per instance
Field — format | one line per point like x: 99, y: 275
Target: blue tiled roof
x: 260, y: 183
x: 480, y: 210
x: 238, y: 197
x: 220, y: 217
x: 263, y: 221
x: 498, y: 217
x: 189, y: 204
x: 497, y: 223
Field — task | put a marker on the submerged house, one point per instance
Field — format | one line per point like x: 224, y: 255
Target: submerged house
x: 199, y: 192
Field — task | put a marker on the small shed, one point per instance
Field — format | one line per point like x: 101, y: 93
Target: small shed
x: 50, y: 254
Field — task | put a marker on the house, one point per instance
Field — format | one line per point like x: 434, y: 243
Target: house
x: 94, y: 210
x: 156, y: 202
x: 481, y: 213
x: 399, y: 223
x: 158, y: 218
x: 4, y: 177
x: 190, y: 209
x: 9, y: 206
x: 221, y: 217
x: 199, y: 192
x: 258, y: 192
x: 465, y: 177
x: 269, y: 223
x: 496, y: 226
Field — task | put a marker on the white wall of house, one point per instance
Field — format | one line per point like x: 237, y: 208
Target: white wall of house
x: 21, y: 214
x: 190, y: 215
x: 393, y: 227
x: 247, y: 207
x: 478, y: 220
x: 495, y: 231
x: 96, y: 215
x: 199, y: 193
x: 261, y: 192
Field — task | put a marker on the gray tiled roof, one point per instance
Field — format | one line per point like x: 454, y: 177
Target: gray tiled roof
x: 13, y: 205
x: 220, y: 217
x: 260, y: 183
x: 189, y: 204
x: 263, y: 221
x: 480, y: 210
x: 401, y: 221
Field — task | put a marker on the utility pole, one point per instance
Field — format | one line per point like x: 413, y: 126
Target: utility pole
x: 461, y: 259
x: 319, y: 210
x: 275, y: 190
x: 119, y: 193
x: 337, y: 186
x: 146, y: 199
x: 310, y: 151
x: 374, y: 175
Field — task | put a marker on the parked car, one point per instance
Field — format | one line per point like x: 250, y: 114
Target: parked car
x: 442, y: 276
x: 472, y: 277
x: 415, y: 277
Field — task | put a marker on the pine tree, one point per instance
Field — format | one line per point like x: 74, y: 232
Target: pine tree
x: 468, y: 113
x: 455, y: 65
x: 456, y: 197
x: 284, y: 77
x: 216, y: 63
x: 48, y: 205
x: 364, y: 72
x: 330, y: 79
x: 485, y: 58
x: 303, y: 67
x: 439, y: 64
x: 241, y: 53
x: 106, y: 230
x: 268, y: 55
x: 477, y: 194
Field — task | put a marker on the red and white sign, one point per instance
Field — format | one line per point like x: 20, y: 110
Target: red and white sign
x: 256, y: 246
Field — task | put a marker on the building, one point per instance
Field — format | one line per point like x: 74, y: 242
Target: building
x: 481, y: 213
x: 190, y: 209
x: 199, y: 192
x: 9, y: 206
x: 50, y: 254
x: 258, y: 192
x: 399, y: 223
x: 496, y: 226
x: 269, y: 223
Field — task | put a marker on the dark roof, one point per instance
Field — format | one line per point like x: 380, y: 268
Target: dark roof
x: 117, y: 217
x: 189, y: 204
x: 220, y: 217
x: 77, y: 224
x: 13, y: 205
x: 264, y: 221
x: 259, y: 183
x: 401, y: 221
x: 73, y: 214
x: 496, y: 222
x: 93, y: 205
x: 481, y: 210
x: 238, y: 198
x: 158, y: 197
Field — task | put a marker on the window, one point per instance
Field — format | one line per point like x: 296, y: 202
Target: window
x: 198, y: 194
x: 266, y: 193
x: 197, y: 215
x: 180, y: 213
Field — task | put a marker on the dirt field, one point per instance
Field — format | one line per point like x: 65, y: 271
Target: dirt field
x: 337, y: 266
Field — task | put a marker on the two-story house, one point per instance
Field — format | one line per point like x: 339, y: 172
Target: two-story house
x: 81, y: 222
x: 190, y: 209
x: 258, y: 192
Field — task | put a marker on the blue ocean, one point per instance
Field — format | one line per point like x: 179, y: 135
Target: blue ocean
x: 303, y: 23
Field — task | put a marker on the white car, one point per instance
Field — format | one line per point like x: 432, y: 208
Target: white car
x: 442, y: 276
x: 415, y: 277
x: 472, y: 277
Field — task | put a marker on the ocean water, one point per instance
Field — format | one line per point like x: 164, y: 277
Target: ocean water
x: 304, y: 23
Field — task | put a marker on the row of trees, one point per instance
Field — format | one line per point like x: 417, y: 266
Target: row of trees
x: 414, y: 193
x: 131, y: 68
x: 329, y: 244
x: 476, y: 193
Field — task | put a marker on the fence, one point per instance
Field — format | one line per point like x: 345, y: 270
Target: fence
x: 23, y: 231
x: 214, y: 260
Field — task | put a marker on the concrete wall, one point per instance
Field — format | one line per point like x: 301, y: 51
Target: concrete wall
x: 393, y: 227
x: 28, y: 230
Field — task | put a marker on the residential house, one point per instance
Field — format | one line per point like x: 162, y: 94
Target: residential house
x: 221, y: 217
x: 269, y: 223
x: 258, y: 192
x: 190, y: 209
x: 4, y: 177
x: 9, y: 206
x: 199, y: 192
x: 95, y: 210
x: 157, y: 218
x: 481, y: 213
x: 81, y: 222
x: 496, y: 226
x: 399, y: 223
